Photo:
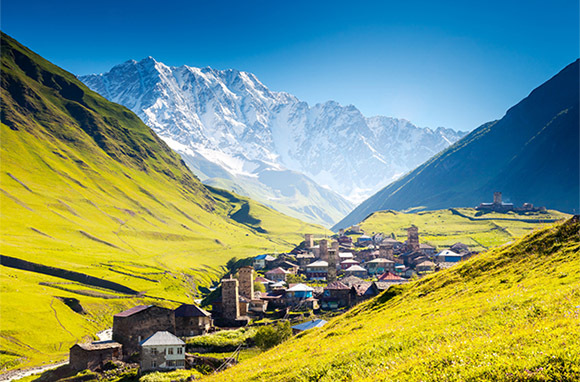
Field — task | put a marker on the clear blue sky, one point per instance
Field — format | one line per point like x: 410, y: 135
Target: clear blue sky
x: 437, y: 63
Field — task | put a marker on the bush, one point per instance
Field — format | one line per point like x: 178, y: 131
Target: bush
x: 270, y: 336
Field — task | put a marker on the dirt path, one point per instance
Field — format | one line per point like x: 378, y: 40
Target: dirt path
x: 17, y: 374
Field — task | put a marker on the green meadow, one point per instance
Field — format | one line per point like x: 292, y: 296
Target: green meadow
x: 86, y: 187
x: 443, y: 228
x: 509, y: 314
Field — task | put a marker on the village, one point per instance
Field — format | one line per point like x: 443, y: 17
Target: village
x: 319, y: 278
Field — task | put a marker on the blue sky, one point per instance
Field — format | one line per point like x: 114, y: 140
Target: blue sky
x: 436, y: 63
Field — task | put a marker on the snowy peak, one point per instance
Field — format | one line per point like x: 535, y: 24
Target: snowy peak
x: 229, y: 121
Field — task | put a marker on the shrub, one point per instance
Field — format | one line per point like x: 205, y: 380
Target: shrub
x: 270, y: 336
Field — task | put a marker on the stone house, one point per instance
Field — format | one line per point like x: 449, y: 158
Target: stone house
x: 133, y: 325
x: 93, y: 355
x: 191, y: 320
x: 317, y: 270
x: 379, y: 266
x: 336, y: 295
x: 290, y: 267
x: 348, y: 263
x: 448, y: 256
x: 162, y: 351
x: 356, y: 270
x: 425, y: 266
x: 300, y: 295
x: 277, y: 274
x: 262, y: 261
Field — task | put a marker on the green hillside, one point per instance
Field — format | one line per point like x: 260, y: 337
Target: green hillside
x: 531, y: 155
x: 443, y: 228
x: 509, y: 314
x: 86, y: 187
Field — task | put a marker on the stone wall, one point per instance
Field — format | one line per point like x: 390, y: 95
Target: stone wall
x: 130, y: 330
x: 246, y: 281
x: 230, y: 299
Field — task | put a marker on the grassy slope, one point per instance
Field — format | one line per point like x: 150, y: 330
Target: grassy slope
x: 86, y: 186
x: 443, y: 228
x: 511, y: 313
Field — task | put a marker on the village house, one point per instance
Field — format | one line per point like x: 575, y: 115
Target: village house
x: 345, y: 241
x: 336, y: 295
x: 427, y: 249
x: 356, y: 270
x: 459, y: 248
x: 391, y: 278
x: 93, y: 355
x: 356, y: 229
x: 290, y: 267
x: 360, y: 292
x: 364, y: 241
x: 301, y: 295
x: 348, y: 263
x: 424, y: 267
x: 262, y: 261
x: 162, y: 351
x: 191, y: 320
x: 448, y: 256
x: 139, y: 322
x: 345, y: 256
x: 277, y: 274
x: 304, y: 259
x: 317, y: 270
x: 379, y: 265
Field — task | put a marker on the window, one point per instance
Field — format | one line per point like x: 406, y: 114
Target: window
x: 170, y: 363
x: 180, y: 362
x: 154, y: 351
x: 153, y: 364
x: 170, y: 351
x: 179, y: 350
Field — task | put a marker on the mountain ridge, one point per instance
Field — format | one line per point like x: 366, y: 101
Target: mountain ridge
x: 230, y: 119
x: 529, y: 155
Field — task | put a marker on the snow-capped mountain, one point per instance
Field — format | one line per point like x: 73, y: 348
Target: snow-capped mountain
x: 234, y: 132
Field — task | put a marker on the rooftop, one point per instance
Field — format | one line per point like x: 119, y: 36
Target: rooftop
x: 356, y: 268
x: 380, y: 260
x: 309, y: 325
x: 190, y: 310
x: 133, y: 310
x: 101, y: 345
x: 319, y: 263
x: 337, y: 285
x: 300, y: 288
x: 161, y: 338
x: 277, y: 271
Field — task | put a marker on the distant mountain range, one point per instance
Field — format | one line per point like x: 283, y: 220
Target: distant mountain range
x: 531, y: 155
x: 311, y: 162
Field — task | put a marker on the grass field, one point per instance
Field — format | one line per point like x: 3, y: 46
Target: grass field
x: 85, y: 186
x: 509, y: 314
x: 443, y: 228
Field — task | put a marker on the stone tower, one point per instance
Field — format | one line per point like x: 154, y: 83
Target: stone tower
x: 230, y: 299
x: 308, y: 240
x: 386, y: 251
x: 246, y: 279
x: 323, y: 244
x: 334, y: 245
x: 332, y: 257
x: 497, y: 198
x: 413, y: 238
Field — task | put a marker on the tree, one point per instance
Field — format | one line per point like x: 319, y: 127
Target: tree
x: 270, y: 336
x: 295, y: 279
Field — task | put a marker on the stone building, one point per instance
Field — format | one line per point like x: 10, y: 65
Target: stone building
x: 191, y: 320
x: 162, y: 351
x: 336, y: 295
x: 230, y: 299
x: 246, y: 280
x: 133, y: 325
x: 308, y: 240
x: 332, y: 261
x: 323, y: 250
x: 93, y: 355
x: 413, y: 238
x: 386, y: 251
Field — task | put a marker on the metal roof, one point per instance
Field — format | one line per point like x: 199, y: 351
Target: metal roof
x: 309, y: 325
x: 161, y: 338
x: 189, y: 310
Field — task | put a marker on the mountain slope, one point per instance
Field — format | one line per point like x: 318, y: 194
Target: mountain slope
x: 509, y: 314
x: 531, y: 155
x: 86, y: 187
x: 227, y: 124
